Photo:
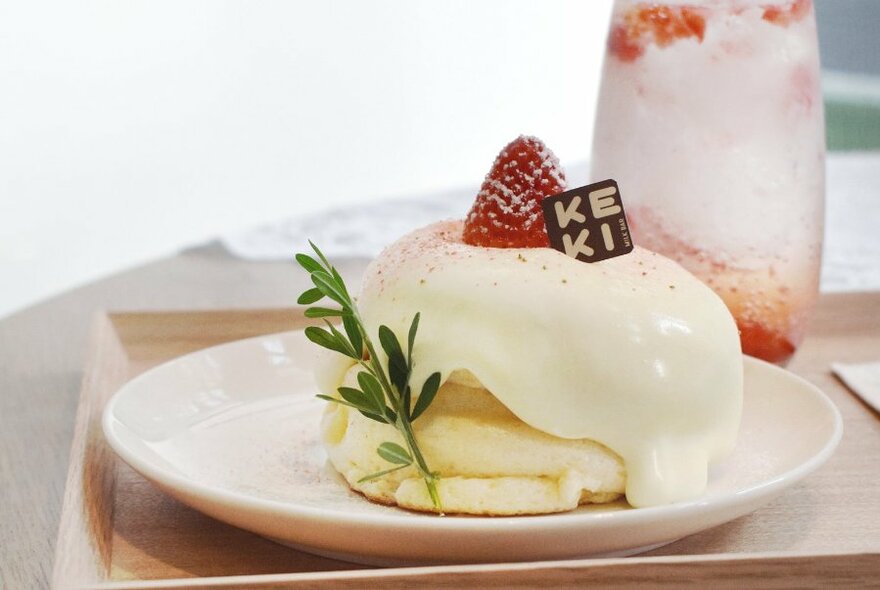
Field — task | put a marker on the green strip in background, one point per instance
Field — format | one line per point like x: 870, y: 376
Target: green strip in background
x: 852, y: 111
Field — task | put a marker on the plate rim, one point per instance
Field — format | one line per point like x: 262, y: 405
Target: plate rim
x: 464, y: 523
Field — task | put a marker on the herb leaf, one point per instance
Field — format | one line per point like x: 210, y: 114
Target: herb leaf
x: 349, y: 351
x: 320, y: 255
x: 373, y: 390
x: 325, y: 283
x: 310, y: 296
x: 397, y: 366
x: 342, y: 402
x: 327, y: 340
x: 429, y: 390
x: 338, y: 278
x: 358, y: 399
x: 411, y: 340
x: 353, y: 333
x: 376, y: 417
x: 322, y: 312
x: 379, y: 474
x: 394, y: 453
x: 308, y: 263
x: 359, y: 405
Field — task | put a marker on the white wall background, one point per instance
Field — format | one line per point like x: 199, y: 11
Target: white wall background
x: 130, y: 129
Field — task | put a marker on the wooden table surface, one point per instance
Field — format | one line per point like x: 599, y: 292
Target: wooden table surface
x: 42, y: 351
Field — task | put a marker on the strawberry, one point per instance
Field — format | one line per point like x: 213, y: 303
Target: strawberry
x: 507, y: 211
x: 644, y: 23
x: 764, y: 343
x: 785, y: 14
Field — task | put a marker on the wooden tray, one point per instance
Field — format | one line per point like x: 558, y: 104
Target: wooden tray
x: 118, y: 531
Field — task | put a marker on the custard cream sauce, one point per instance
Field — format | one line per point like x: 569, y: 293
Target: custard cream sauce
x: 633, y: 352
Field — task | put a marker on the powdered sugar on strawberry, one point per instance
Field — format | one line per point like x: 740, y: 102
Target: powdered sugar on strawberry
x: 507, y: 211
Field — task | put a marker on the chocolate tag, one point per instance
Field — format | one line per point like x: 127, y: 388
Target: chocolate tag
x: 588, y: 223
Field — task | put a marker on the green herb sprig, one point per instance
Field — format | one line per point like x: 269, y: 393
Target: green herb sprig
x: 383, y: 395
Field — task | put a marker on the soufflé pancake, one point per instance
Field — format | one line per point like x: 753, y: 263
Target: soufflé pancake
x: 563, y: 382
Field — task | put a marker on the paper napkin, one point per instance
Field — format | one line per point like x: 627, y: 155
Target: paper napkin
x: 863, y: 379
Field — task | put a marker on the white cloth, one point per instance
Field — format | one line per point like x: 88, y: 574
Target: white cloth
x: 355, y: 232
x: 852, y: 237
x: 851, y: 260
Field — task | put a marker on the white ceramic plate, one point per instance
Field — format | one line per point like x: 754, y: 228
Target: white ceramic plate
x: 233, y: 432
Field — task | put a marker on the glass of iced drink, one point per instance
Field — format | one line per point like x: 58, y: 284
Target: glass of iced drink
x: 710, y: 118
